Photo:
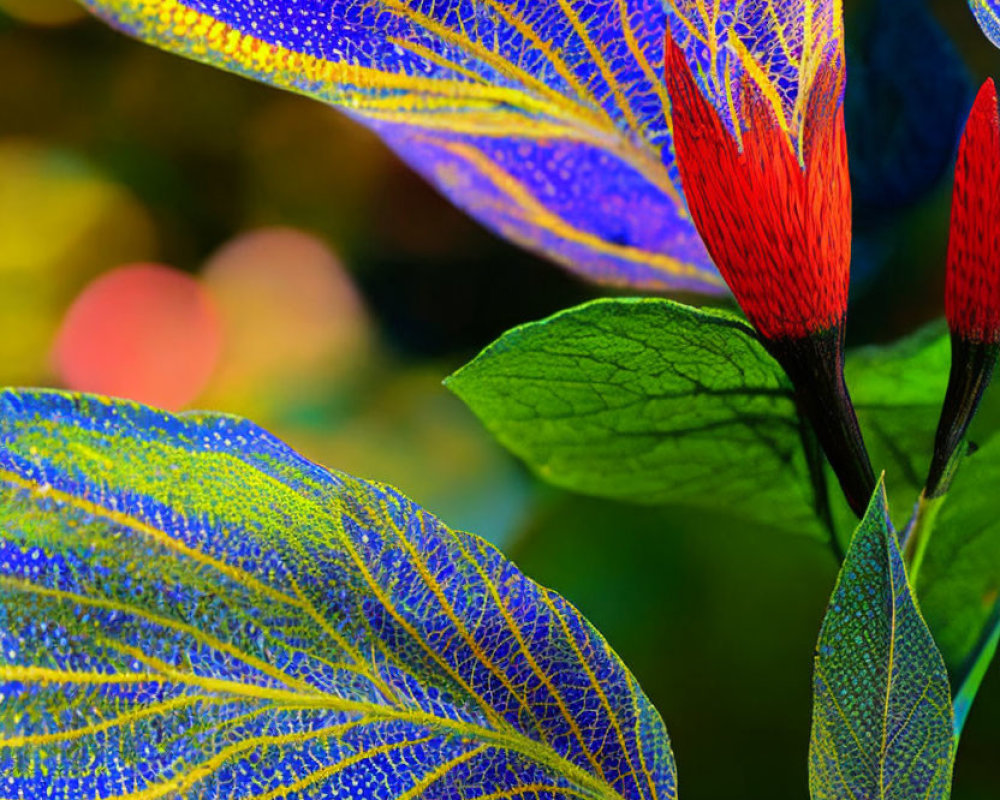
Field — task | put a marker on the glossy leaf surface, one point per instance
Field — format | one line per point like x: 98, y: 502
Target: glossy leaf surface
x: 988, y: 14
x: 649, y: 401
x: 882, y: 718
x: 780, y: 44
x: 545, y: 119
x: 539, y: 373
x: 190, y: 609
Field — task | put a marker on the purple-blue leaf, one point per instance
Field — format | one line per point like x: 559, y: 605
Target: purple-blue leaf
x: 190, y: 609
x: 781, y: 45
x: 545, y: 119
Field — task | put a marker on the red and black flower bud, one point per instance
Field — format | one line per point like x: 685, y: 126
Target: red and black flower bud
x: 972, y: 283
x: 779, y: 230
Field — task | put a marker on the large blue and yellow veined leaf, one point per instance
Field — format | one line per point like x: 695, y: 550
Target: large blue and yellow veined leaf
x: 780, y: 44
x: 545, y: 119
x: 189, y: 609
x: 988, y: 14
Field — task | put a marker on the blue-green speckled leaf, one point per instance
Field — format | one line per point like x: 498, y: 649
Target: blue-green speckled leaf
x: 959, y: 577
x: 882, y: 718
x: 190, y: 609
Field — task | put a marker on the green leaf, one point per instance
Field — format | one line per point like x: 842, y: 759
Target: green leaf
x: 648, y: 401
x: 190, y: 609
x: 882, y: 717
x: 959, y: 579
x: 898, y: 390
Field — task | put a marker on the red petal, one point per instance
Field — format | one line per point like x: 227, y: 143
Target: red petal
x: 972, y: 288
x: 778, y: 232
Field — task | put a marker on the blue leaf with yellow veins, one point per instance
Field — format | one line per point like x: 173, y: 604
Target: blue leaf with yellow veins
x: 988, y: 14
x: 190, y: 609
x: 882, y: 716
x: 547, y: 120
x: 782, y: 45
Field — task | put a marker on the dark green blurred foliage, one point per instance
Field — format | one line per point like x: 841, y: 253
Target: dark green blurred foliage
x: 717, y: 618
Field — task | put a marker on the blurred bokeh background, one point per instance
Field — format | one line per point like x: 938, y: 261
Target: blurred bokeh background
x: 186, y: 238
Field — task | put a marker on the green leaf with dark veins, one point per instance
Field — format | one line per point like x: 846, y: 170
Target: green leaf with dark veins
x: 898, y: 391
x: 649, y: 401
x: 882, y: 717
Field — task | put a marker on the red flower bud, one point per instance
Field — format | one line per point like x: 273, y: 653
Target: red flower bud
x: 972, y: 288
x: 972, y: 283
x: 779, y: 231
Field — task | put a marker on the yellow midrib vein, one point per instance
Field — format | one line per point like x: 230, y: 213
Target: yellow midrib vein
x: 888, y: 674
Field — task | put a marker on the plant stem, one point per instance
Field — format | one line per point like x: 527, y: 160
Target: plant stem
x: 972, y: 365
x: 918, y: 533
x: 816, y: 463
x: 815, y: 366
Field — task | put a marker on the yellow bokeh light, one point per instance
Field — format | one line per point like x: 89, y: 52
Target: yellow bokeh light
x: 61, y: 223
